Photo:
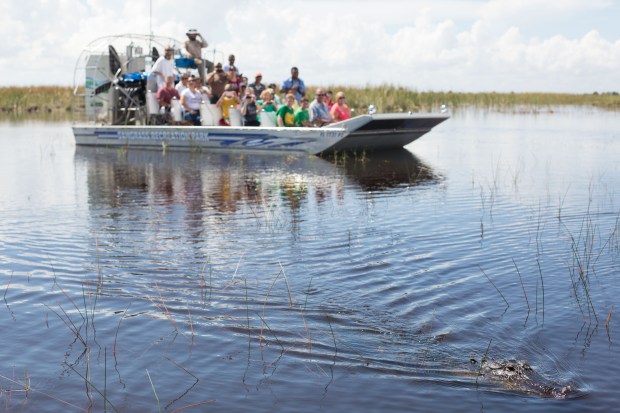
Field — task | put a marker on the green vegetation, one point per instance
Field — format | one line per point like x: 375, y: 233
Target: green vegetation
x: 35, y: 102
x: 54, y: 102
x: 389, y: 98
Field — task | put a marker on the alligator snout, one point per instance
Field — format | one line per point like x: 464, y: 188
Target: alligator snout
x: 518, y: 375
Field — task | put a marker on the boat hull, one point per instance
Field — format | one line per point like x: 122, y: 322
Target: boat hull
x: 388, y: 131
x: 294, y: 140
x: 362, y: 133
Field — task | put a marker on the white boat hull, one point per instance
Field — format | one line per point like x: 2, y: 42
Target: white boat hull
x: 366, y: 132
x: 297, y: 140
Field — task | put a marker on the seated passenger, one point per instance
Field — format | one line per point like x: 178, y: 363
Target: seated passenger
x: 274, y: 95
x: 249, y: 109
x: 319, y: 113
x: 340, y: 110
x: 302, y: 116
x: 182, y: 85
x: 328, y: 99
x: 234, y: 80
x: 167, y: 92
x: 243, y: 90
x: 165, y: 95
x: 257, y: 86
x: 227, y: 100
x: 190, y: 100
x: 267, y: 103
x: 286, y: 114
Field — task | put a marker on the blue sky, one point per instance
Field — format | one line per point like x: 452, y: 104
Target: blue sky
x: 441, y: 45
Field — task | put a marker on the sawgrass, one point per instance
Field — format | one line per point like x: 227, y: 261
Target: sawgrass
x: 388, y: 98
x: 36, y: 102
x: 54, y: 102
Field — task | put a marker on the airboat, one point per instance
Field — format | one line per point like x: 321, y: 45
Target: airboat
x: 113, y: 108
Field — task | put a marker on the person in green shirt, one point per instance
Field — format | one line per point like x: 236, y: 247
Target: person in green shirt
x: 286, y: 113
x: 302, y: 116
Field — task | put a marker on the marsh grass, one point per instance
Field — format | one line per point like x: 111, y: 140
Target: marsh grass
x: 390, y: 98
x: 48, y: 102
x: 55, y: 102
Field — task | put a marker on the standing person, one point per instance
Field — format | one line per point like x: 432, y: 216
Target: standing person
x: 194, y: 47
x: 190, y: 100
x: 249, y: 110
x: 217, y: 80
x: 257, y: 86
x: 294, y: 85
x: 319, y: 113
x: 231, y: 64
x: 286, y: 113
x: 302, y: 116
x: 340, y: 110
x: 163, y: 67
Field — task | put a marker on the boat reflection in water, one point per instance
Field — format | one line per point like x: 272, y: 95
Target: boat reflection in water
x: 390, y: 169
x: 227, y: 182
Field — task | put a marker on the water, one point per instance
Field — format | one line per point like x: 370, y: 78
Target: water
x: 229, y: 282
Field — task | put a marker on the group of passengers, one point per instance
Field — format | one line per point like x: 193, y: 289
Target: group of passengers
x: 226, y: 88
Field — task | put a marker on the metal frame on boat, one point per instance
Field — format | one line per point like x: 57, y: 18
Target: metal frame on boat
x: 112, y: 108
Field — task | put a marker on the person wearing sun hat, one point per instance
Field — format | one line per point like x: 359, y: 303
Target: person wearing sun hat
x: 257, y: 86
x: 193, y: 48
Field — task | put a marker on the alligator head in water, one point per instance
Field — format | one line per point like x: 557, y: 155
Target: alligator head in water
x: 518, y: 375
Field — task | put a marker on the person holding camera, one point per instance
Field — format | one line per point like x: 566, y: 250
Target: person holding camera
x: 216, y: 81
x: 249, y: 109
x: 228, y: 100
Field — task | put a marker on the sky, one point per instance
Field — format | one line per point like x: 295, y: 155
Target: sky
x: 567, y: 46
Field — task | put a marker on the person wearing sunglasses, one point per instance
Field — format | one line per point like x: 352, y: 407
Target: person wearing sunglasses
x: 340, y: 110
x: 319, y: 112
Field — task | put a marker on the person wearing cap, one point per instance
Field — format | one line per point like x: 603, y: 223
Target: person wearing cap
x: 193, y: 48
x: 257, y: 86
x: 294, y: 85
x: 216, y: 81
x: 163, y: 67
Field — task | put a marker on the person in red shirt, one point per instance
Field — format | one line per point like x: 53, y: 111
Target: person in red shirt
x: 340, y: 110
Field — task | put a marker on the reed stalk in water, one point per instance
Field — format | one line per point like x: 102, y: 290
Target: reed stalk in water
x: 522, y: 286
x: 494, y: 286
x: 543, y: 291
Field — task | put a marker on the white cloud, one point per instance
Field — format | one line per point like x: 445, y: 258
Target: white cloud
x: 467, y: 45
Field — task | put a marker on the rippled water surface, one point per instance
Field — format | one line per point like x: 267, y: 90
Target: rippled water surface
x: 382, y: 282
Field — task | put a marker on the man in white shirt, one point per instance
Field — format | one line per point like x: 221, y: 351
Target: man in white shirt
x: 163, y: 67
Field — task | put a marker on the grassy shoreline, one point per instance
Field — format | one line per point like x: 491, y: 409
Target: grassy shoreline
x: 54, y: 102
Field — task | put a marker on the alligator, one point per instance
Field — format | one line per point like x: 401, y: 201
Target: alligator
x: 518, y: 375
